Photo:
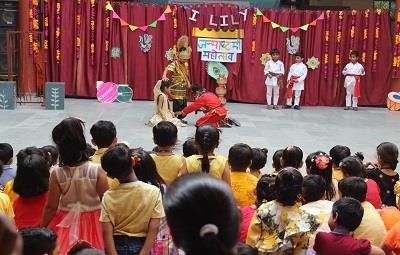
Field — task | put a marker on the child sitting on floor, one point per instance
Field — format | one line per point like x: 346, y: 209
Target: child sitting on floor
x: 189, y: 148
x: 321, y: 164
x: 346, y: 216
x: 39, y: 241
x: 276, y: 162
x: 131, y: 212
x: 371, y: 227
x: 243, y: 184
x: 338, y: 153
x: 258, y: 161
x: 169, y: 165
x: 6, y: 157
x: 292, y: 156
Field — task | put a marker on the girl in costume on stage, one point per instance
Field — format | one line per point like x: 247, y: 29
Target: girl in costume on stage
x: 353, y: 72
x: 75, y: 190
x: 162, y: 106
x: 297, y: 75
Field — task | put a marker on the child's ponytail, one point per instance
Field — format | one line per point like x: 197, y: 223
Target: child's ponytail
x: 205, y: 147
x: 207, y: 139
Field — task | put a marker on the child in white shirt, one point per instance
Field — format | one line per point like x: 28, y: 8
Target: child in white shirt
x: 353, y: 72
x: 274, y: 69
x: 297, y: 75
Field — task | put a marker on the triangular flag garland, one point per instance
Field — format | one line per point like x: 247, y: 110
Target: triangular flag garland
x: 274, y: 25
x: 142, y: 28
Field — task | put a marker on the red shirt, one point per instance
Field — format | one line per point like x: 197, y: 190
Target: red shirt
x: 373, y: 194
x: 247, y: 215
x: 207, y: 100
x: 28, y: 211
x: 334, y: 244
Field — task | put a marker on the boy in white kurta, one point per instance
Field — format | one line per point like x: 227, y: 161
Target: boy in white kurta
x: 297, y: 75
x: 353, y: 72
x: 274, y: 69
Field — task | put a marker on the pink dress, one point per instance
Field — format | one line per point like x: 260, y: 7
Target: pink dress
x: 78, y: 213
x: 247, y: 215
x: 373, y: 192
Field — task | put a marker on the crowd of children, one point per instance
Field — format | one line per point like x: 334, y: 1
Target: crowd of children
x: 71, y: 199
x: 274, y: 71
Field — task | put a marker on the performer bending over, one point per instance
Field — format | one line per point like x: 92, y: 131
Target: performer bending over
x: 210, y: 104
x: 353, y: 72
x: 179, y: 73
x: 296, y: 77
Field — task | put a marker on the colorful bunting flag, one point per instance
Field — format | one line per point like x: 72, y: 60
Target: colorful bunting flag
x: 274, y: 25
x: 305, y: 27
x: 143, y: 28
x: 321, y: 17
x: 265, y: 19
x: 123, y: 22
x: 294, y: 29
x: 313, y: 23
x: 284, y: 29
x: 109, y: 7
x: 115, y: 15
x: 258, y: 12
x: 133, y: 28
x: 162, y: 17
x: 153, y: 24
x: 168, y: 10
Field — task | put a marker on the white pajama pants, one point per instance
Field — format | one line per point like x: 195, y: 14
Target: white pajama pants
x: 350, y: 95
x: 297, y: 95
x: 275, y: 90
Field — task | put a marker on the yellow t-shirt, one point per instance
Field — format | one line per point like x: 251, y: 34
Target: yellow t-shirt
x: 243, y: 186
x: 217, y: 164
x: 337, y: 173
x: 96, y: 159
x: 168, y: 166
x: 130, y: 206
x: 8, y: 189
x: 372, y: 227
x: 6, y: 206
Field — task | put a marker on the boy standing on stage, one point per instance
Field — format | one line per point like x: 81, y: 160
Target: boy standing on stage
x: 353, y: 72
x: 297, y: 75
x: 274, y: 70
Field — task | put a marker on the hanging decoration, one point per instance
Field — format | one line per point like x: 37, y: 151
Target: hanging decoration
x: 174, y: 25
x: 265, y: 58
x: 33, y: 35
x: 396, y: 48
x: 78, y: 13
x: 30, y: 35
x: 58, y: 31
x: 338, y: 42
x: 365, y: 36
x: 313, y: 63
x: 218, y: 33
x: 92, y: 31
x: 353, y: 29
x: 376, y: 39
x: 145, y: 42
x: 46, y: 25
x: 293, y: 44
x: 253, y: 35
x: 326, y: 43
x: 123, y: 22
x: 284, y: 29
x: 214, y: 20
x: 107, y: 34
x: 116, y: 53
x: 170, y: 54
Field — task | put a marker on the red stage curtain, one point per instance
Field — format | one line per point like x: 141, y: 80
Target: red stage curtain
x: 246, y: 80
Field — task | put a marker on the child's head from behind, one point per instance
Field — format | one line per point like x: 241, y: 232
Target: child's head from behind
x: 202, y: 215
x: 321, y: 164
x: 206, y: 139
x: 240, y: 156
x: 347, y: 213
x: 117, y: 161
x: 259, y: 159
x: 309, y: 160
x: 265, y: 190
x: 104, y: 134
x: 189, y: 148
x: 314, y: 188
x: 52, y: 152
x: 292, y: 156
x: 276, y: 160
x: 6, y: 153
x: 288, y: 186
x: 70, y: 140
x: 352, y: 166
x: 354, y: 187
x: 32, y: 177
x: 39, y: 241
x: 338, y: 153
x: 244, y: 249
x: 165, y: 134
x: 388, y: 154
x: 145, y: 168
x: 275, y: 54
x: 164, y: 87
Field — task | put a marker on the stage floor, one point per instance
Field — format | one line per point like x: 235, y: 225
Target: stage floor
x: 312, y: 128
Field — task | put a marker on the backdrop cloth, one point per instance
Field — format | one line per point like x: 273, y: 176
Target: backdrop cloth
x: 246, y: 80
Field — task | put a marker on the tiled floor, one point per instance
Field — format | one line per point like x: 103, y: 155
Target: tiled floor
x: 313, y: 128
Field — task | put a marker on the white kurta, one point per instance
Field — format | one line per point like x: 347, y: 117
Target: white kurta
x: 299, y: 70
x: 274, y: 67
x: 354, y: 69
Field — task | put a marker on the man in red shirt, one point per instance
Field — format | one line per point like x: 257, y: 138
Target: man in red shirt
x: 208, y: 103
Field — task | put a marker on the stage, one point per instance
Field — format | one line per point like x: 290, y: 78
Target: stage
x: 312, y: 128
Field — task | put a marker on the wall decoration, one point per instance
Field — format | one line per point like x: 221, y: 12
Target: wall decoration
x: 116, y: 53
x: 54, y: 95
x: 220, y: 73
x: 265, y: 58
x: 78, y: 28
x: 313, y: 63
x: 376, y: 39
x: 365, y: 36
x: 253, y: 36
x: 107, y: 24
x: 220, y: 50
x: 123, y: 22
x: 58, y: 31
x: 8, y: 95
x: 92, y: 31
x: 274, y: 25
x: 338, y: 42
x: 396, y: 48
x: 214, y: 20
x: 46, y: 25
x: 170, y: 54
x: 107, y: 92
x: 353, y: 29
x: 326, y: 42
x: 218, y: 56
x: 174, y: 26
x: 145, y: 42
x: 293, y: 44
x: 218, y: 33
